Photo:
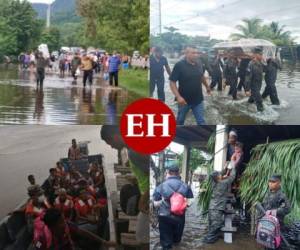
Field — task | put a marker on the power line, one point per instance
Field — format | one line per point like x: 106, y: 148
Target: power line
x: 198, y: 14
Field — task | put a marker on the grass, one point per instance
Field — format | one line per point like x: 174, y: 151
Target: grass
x: 135, y: 80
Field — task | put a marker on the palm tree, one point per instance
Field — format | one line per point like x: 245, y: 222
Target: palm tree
x: 278, y: 35
x: 251, y: 28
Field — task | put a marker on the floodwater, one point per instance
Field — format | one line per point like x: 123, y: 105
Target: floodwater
x: 195, y: 229
x: 220, y: 109
x: 61, y: 101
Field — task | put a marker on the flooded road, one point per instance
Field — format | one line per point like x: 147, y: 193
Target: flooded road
x: 220, y: 109
x: 34, y: 150
x: 196, y: 227
x: 61, y: 101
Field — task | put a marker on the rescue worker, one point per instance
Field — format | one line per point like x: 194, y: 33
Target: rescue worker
x: 170, y: 226
x: 216, y: 67
x: 276, y: 200
x: 254, y: 78
x: 220, y: 188
x: 158, y: 63
x: 270, y: 78
x: 242, y: 72
x: 231, y: 75
x: 41, y: 64
x: 74, y: 151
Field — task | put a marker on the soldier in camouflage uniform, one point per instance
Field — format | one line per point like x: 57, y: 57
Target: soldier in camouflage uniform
x: 217, y: 205
x: 276, y: 202
x: 270, y: 77
x: 275, y: 199
x: 254, y: 77
x: 231, y: 75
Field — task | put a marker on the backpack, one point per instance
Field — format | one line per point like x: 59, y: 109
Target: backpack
x: 268, y: 232
x: 178, y: 204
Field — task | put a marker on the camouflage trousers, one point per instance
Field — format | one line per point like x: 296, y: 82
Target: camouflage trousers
x: 215, y: 223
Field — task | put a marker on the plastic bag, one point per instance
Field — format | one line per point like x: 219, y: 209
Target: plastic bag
x: 77, y: 73
x: 105, y: 76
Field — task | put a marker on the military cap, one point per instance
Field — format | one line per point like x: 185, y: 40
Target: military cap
x: 173, y: 168
x: 257, y: 50
x: 214, y: 174
x: 275, y: 177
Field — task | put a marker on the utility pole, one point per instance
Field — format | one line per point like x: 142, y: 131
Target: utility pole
x: 48, y: 16
x: 159, y: 16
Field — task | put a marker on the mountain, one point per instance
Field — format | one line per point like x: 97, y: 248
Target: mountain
x: 61, y: 11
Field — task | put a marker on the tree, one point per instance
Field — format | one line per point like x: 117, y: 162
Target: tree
x: 20, y: 21
x: 8, y: 39
x: 51, y: 37
x: 251, y: 28
x: 116, y: 25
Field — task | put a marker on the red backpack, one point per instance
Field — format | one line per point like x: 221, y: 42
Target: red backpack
x: 178, y: 203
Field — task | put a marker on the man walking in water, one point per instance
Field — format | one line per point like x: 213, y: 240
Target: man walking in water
x: 114, y: 63
x: 41, y: 64
x: 270, y: 78
x: 254, y: 78
x: 75, y: 63
x: 171, y: 226
x: 190, y: 76
x: 87, y: 68
x: 157, y: 64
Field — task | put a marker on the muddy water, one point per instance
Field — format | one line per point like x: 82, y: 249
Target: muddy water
x: 220, y: 109
x: 61, y: 101
x: 195, y: 229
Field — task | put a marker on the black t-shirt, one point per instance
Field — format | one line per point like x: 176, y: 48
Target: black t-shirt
x: 189, y: 77
x: 157, y: 67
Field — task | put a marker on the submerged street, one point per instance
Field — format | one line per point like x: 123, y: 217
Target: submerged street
x: 61, y: 101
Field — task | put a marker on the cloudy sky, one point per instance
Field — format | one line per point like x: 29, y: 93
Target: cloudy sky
x: 218, y: 18
x: 41, y: 1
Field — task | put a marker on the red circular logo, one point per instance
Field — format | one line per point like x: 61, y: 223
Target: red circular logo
x: 148, y: 126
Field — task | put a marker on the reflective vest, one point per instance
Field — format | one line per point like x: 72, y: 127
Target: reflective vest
x: 84, y: 208
x: 36, y: 211
x: 65, y: 207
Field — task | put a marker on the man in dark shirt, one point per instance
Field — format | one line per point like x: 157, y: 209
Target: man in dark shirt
x: 270, y: 77
x: 157, y: 64
x: 190, y: 75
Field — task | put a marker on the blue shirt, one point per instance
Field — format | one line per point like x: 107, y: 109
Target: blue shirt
x: 113, y: 64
